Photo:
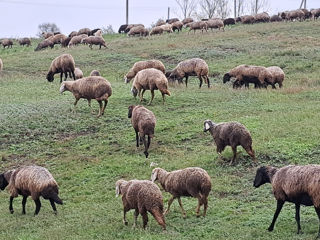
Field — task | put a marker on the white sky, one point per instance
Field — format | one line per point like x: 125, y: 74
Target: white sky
x: 20, y: 18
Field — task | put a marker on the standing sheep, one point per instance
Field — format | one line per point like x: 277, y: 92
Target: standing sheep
x: 167, y: 28
x: 215, y: 23
x: 277, y: 76
x: 315, y: 13
x: 128, y: 28
x: 261, y: 17
x: 143, y: 121
x: 78, y: 73
x: 230, y: 134
x: 140, y: 65
x: 65, y: 42
x: 138, y: 30
x: 31, y: 181
x: 150, y: 79
x: 25, y: 41
x: 200, y: 25
x: 143, y: 196
x: 63, y: 64
x: 156, y: 30
x: 76, y: 40
x: 187, y: 20
x: 296, y: 184
x: 229, y: 21
x: 191, y: 67
x: 122, y: 28
x: 247, y: 19
x: 189, y: 182
x: 7, y: 43
x: 177, y: 26
x: 94, y: 40
x: 92, y: 87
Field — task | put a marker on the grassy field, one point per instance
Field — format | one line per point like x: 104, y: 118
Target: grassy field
x: 86, y: 155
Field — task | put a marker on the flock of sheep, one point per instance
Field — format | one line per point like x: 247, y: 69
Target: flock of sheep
x: 297, y: 184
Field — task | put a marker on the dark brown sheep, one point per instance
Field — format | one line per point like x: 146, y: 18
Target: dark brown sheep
x: 187, y: 20
x: 94, y: 40
x: 296, y: 184
x: 95, y: 73
x: 122, y: 28
x: 63, y: 64
x: 58, y: 38
x: 189, y: 182
x: 144, y: 196
x: 229, y: 21
x: 25, y: 41
x: 7, y: 43
x: 172, y: 20
x: 191, y: 67
x: 247, y: 19
x: 84, y: 31
x: 275, y: 18
x: 92, y: 87
x: 138, y: 30
x: 156, y: 30
x: 200, y: 25
x: 315, y: 13
x: 44, y: 44
x: 177, y: 26
x: 31, y: 181
x: 230, y: 134
x: 65, y: 42
x: 140, y: 65
x: 143, y: 122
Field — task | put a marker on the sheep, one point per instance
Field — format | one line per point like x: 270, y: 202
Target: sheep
x: 144, y: 196
x: 138, y: 30
x: 247, y: 19
x: 177, y: 26
x: 230, y: 134
x: 93, y: 87
x: 94, y: 40
x: 246, y: 74
x: 73, y: 33
x: 191, y: 67
x: 307, y: 13
x: 62, y: 64
x: 93, y: 32
x: 167, y: 28
x: 44, y: 44
x: 84, y: 31
x: 46, y: 35
x: 217, y: 23
x: 143, y: 121
x: 150, y: 79
x: 7, y: 43
x: 189, y: 182
x: 34, y: 181
x: 76, y: 40
x: 66, y: 42
x: 122, y: 28
x: 1, y: 65
x: 172, y: 20
x: 160, y: 22
x: 261, y: 17
x: 58, y: 38
x: 128, y: 28
x: 229, y: 21
x: 156, y: 30
x: 275, y: 18
x: 25, y: 41
x: 95, y: 73
x: 140, y: 65
x: 296, y: 184
x: 200, y: 25
x: 277, y: 76
x: 78, y: 73
x: 315, y: 13
x: 295, y: 14
x: 98, y: 33
x: 187, y: 20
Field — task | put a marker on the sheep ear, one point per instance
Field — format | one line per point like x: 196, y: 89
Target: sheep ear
x: 206, y: 126
x: 117, y: 191
x: 62, y: 88
x: 154, y: 175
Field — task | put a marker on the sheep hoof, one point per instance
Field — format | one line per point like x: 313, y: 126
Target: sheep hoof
x: 270, y: 229
x: 125, y: 223
x: 11, y: 211
x: 55, y: 213
x: 147, y: 154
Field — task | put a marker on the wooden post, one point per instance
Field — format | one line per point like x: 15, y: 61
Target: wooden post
x: 256, y: 6
x: 127, y: 11
x: 235, y: 8
x: 168, y: 13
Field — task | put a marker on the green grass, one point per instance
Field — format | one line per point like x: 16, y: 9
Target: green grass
x: 87, y: 155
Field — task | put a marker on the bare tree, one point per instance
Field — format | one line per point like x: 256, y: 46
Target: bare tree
x: 187, y: 7
x: 108, y: 30
x: 258, y: 6
x: 223, y: 9
x: 208, y: 7
x: 240, y: 8
x: 47, y: 27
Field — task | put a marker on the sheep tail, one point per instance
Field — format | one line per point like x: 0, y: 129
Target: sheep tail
x: 51, y: 192
x: 158, y: 215
x: 57, y: 199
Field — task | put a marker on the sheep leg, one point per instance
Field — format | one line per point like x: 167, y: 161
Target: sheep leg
x: 250, y: 151
x: 298, y: 217
x: 152, y: 97
x: 53, y: 206
x: 142, y: 94
x: 149, y: 140
x: 144, y: 215
x: 10, y: 205
x: 136, y: 214
x: 163, y: 100
x: 137, y: 138
x: 125, y: 222
x: 73, y: 75
x: 182, y: 210
x: 100, y: 108
x: 318, y: 213
x: 187, y: 80
x: 61, y: 74
x: 208, y: 81
x: 169, y: 204
x: 145, y: 146
x: 200, y: 78
x: 205, y: 205
x: 276, y: 214
x: 65, y: 76
x: 24, y: 201
x: 89, y: 104
x: 38, y: 206
x: 105, y: 105
x: 75, y: 104
x: 198, y: 207
x: 234, y: 150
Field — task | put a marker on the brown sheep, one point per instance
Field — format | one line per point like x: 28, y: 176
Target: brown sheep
x: 172, y: 20
x: 58, y: 38
x: 187, y: 20
x: 138, y: 30
x: 46, y: 35
x: 191, y: 67
x: 247, y: 19
x: 31, y: 181
x: 73, y: 33
x: 1, y: 65
x: 95, y: 73
x: 277, y: 76
x: 140, y: 65
x: 122, y: 28
x: 160, y: 22
x: 229, y: 21
x: 143, y: 122
x: 315, y: 13
x: 217, y: 23
x: 25, y: 41
x: 66, y: 42
x: 296, y: 184
x: 44, y: 44
x: 76, y: 40
x: 92, y: 87
x: 230, y: 134
x: 275, y: 18
x: 7, y: 43
x: 295, y: 15
x: 167, y: 28
x: 150, y: 79
x: 63, y: 64
x: 189, y: 182
x: 177, y: 26
x: 261, y: 17
x: 144, y: 196
x: 78, y: 73
x: 128, y: 28
x: 94, y: 40
x: 84, y: 31
x: 307, y: 13
x: 200, y: 25
x: 156, y: 30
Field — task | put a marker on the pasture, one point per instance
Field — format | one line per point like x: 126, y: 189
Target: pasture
x: 86, y: 155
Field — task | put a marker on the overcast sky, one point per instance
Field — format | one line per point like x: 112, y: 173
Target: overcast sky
x: 20, y: 18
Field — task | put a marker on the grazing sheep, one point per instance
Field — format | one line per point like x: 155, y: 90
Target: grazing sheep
x: 94, y: 40
x: 66, y: 42
x: 122, y: 28
x: 187, y: 20
x: 92, y: 87
x: 216, y: 23
x: 93, y: 32
x: 143, y: 121
x: 95, y: 73
x: 189, y: 182
x: 63, y: 64
x: 128, y: 28
x: 150, y: 79
x: 275, y: 18
x: 167, y: 28
x: 156, y: 30
x: 229, y: 21
x: 177, y: 26
x: 7, y: 43
x: 191, y: 67
x: 25, y: 41
x: 307, y: 14
x: 44, y: 44
x: 78, y: 73
x: 315, y: 13
x: 247, y: 19
x: 261, y: 17
x: 140, y: 65
x: 277, y: 76
x: 46, y: 35
x: 295, y: 15
x: 172, y: 20
x: 296, y: 184
x: 58, y: 38
x: 144, y: 196
x: 76, y: 40
x: 98, y: 33
x: 31, y: 181
x: 200, y: 25
x: 1, y: 65
x: 246, y: 74
x: 230, y: 134
x: 138, y: 30
x: 84, y: 31
x: 73, y: 33
x: 160, y: 22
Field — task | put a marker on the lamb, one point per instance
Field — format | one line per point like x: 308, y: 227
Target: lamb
x: 230, y: 134
x: 172, y: 20
x: 25, y: 41
x: 73, y: 33
x: 34, y: 181
x: 247, y: 19
x: 128, y: 28
x: 191, y: 67
x: 189, y: 182
x: 156, y: 30
x: 167, y: 28
x: 78, y: 73
x: 63, y: 64
x: 94, y: 40
x: 150, y: 79
x: 277, y: 76
x: 144, y: 196
x: 200, y: 25
x: 44, y: 44
x: 140, y: 65
x: 143, y: 121
x: 122, y: 28
x: 187, y: 20
x: 46, y: 35
x: 1, y: 65
x: 84, y: 31
x: 296, y: 184
x: 217, y: 23
x: 92, y: 87
x: 76, y: 40
x: 7, y: 43
x: 315, y: 13
x: 262, y: 17
x: 138, y: 30
x: 95, y: 73
x: 275, y: 18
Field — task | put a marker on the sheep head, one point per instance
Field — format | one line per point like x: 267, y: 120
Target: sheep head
x: 154, y: 174
x: 3, y: 182
x: 64, y: 86
x: 50, y: 77
x: 119, y: 184
x: 134, y: 91
x: 207, y: 125
x: 262, y: 177
x: 130, y: 109
x: 226, y: 77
